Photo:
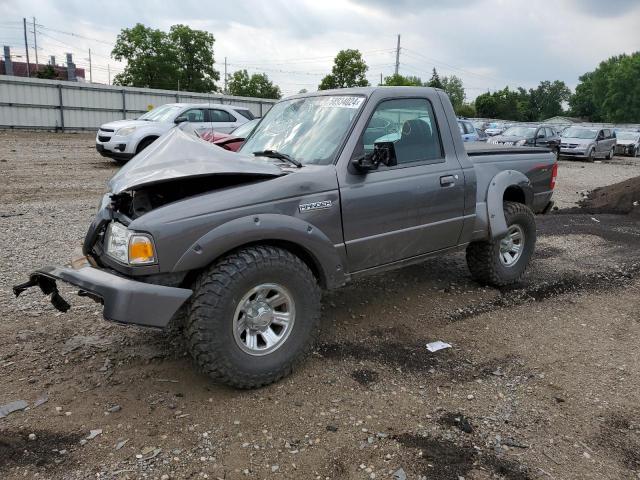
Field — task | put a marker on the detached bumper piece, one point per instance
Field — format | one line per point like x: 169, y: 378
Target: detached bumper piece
x: 124, y: 300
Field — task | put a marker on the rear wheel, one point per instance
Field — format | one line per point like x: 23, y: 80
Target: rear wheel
x: 610, y: 154
x: 503, y: 261
x: 253, y: 317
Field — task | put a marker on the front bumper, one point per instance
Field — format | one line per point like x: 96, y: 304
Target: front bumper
x: 572, y: 152
x: 124, y: 300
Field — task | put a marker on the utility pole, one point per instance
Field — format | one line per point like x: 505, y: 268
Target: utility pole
x: 109, y: 74
x: 398, y: 55
x: 90, y: 71
x: 26, y: 45
x: 225, y: 75
x: 381, y: 78
x: 35, y: 41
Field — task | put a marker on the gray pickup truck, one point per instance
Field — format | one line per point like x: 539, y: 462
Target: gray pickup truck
x: 330, y: 186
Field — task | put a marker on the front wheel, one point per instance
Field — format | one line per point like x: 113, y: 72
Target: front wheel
x: 610, y: 154
x: 503, y: 261
x: 591, y: 156
x: 253, y: 317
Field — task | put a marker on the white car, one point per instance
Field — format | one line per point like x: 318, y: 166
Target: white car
x: 123, y: 139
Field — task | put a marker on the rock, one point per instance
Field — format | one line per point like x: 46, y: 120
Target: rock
x: 275, y: 468
x: 114, y: 409
x: 32, y: 436
x: 9, y: 408
x: 121, y: 444
x: 44, y: 398
x: 399, y: 474
x: 94, y: 433
x: 470, y: 397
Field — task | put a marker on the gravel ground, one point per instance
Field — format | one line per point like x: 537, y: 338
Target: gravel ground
x: 541, y: 381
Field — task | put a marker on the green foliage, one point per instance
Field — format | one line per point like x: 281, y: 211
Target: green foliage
x: 535, y: 105
x: 349, y: 70
x: 397, y: 80
x: 435, y: 81
x: 182, y: 58
x: 454, y: 88
x: 47, y: 72
x: 466, y: 110
x: 256, y: 85
x: 611, y: 93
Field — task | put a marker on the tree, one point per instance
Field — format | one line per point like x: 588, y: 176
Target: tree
x: 182, y: 59
x: 349, y: 70
x: 397, y: 80
x: 547, y: 99
x: 256, y: 85
x: 611, y: 93
x: 47, y: 72
x: 466, y: 110
x: 194, y: 53
x: 435, y: 81
x: 454, y: 88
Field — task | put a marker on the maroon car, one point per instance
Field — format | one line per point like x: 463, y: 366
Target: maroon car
x: 233, y: 140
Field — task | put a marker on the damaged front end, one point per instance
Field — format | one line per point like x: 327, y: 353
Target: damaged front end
x: 120, y: 268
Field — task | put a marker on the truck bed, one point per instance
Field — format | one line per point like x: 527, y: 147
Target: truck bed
x: 475, y: 149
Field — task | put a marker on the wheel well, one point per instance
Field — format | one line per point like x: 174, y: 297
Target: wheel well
x: 153, y: 138
x: 307, y: 257
x: 514, y: 194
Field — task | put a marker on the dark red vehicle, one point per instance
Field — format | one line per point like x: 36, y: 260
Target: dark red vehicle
x: 231, y: 141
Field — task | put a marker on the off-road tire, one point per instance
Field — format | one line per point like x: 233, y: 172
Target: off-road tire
x: 483, y: 257
x: 209, y: 322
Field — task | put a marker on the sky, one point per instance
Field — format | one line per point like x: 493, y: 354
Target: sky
x: 489, y: 44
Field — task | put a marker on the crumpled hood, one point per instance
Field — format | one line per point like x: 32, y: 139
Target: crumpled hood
x: 178, y: 154
x: 626, y: 142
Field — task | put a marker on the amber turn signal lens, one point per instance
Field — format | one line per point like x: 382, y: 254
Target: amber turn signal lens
x: 141, y: 250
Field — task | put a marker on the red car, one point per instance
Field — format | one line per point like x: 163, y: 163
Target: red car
x: 233, y: 140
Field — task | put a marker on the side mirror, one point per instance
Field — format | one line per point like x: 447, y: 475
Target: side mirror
x: 180, y: 119
x: 383, y: 152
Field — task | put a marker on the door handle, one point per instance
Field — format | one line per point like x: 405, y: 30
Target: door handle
x: 448, y: 180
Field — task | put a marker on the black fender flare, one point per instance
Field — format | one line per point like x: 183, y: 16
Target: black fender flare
x: 495, y: 195
x: 267, y: 228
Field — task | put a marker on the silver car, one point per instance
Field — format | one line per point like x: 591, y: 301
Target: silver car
x: 588, y: 143
x: 628, y: 143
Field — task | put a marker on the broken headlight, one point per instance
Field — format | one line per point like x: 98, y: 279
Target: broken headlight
x: 129, y: 247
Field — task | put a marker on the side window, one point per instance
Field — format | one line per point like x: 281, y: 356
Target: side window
x: 194, y: 115
x: 410, y: 124
x: 470, y: 128
x: 461, y: 128
x: 550, y: 132
x: 221, y: 116
x: 541, y: 133
x: 245, y: 113
x: 607, y: 133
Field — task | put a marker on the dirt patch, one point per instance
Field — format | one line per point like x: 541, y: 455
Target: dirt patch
x: 570, y: 283
x: 621, y: 198
x: 365, y: 376
x: 620, y: 434
x: 458, y: 421
x: 48, y: 448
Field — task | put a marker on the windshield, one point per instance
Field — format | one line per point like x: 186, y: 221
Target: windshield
x: 245, y: 129
x: 163, y: 113
x: 576, y: 132
x: 627, y: 135
x: 309, y: 129
x: 525, y: 132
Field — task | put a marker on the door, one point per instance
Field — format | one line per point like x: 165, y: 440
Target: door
x: 197, y: 118
x: 406, y: 210
x: 541, y: 138
x: 222, y: 121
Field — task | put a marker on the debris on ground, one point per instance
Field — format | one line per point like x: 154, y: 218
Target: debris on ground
x: 620, y: 198
x: 94, y: 433
x: 437, y: 345
x: 399, y: 474
x: 9, y: 408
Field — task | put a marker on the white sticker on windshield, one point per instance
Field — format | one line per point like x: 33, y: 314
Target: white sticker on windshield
x: 341, y: 102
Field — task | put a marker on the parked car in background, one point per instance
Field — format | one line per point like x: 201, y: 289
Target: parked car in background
x: 628, y: 143
x: 588, y: 143
x: 468, y: 131
x: 532, y: 136
x: 231, y: 141
x: 495, y: 129
x: 123, y: 139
